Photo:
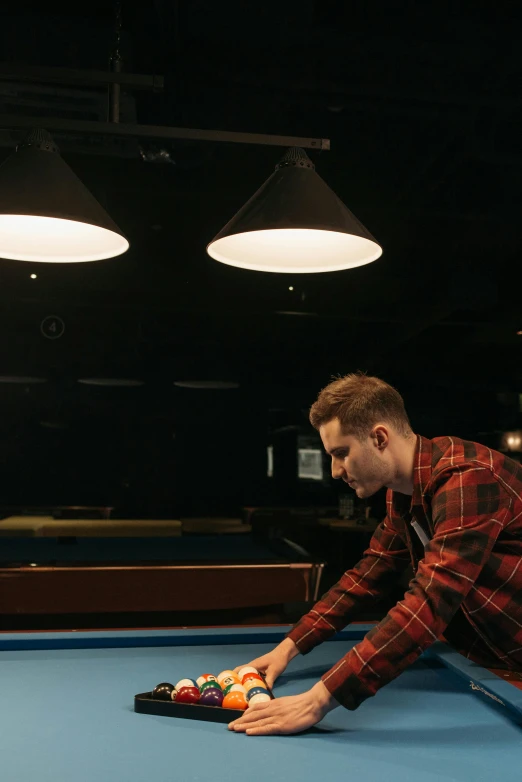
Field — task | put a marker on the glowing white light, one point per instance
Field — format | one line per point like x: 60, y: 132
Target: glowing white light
x: 53, y: 240
x: 34, y: 276
x: 297, y: 250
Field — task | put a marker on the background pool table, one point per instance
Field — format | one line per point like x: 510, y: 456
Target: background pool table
x: 66, y: 712
x: 89, y: 569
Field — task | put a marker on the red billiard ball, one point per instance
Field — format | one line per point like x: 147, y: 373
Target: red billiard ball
x: 187, y: 695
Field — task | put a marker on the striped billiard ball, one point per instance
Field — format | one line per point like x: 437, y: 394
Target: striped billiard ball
x: 259, y: 697
x: 206, y: 677
x: 185, y: 683
x: 256, y: 691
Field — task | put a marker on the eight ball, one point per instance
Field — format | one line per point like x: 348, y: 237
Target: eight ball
x: 164, y: 692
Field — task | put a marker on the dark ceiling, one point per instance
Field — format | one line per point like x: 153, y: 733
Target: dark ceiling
x: 422, y: 104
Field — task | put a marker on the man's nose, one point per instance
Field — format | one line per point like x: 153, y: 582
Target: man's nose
x: 337, y: 469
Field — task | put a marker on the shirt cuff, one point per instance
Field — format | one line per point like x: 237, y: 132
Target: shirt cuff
x: 346, y: 687
x: 304, y: 639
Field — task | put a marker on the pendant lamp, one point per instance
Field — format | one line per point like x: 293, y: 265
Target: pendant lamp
x: 295, y: 224
x: 47, y: 214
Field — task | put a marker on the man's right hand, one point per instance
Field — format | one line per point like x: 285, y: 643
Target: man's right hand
x: 273, y: 664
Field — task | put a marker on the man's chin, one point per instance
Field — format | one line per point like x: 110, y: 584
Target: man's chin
x: 363, y: 492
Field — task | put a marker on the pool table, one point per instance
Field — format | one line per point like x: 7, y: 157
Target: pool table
x: 67, y: 713
x: 73, y: 574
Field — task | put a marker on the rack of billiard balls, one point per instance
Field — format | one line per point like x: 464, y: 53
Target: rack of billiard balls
x: 219, y: 698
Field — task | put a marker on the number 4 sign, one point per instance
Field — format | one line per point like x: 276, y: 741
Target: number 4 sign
x: 52, y: 327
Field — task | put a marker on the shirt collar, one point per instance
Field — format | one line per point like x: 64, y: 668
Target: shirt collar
x: 422, y: 469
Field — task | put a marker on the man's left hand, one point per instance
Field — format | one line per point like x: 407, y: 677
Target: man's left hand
x: 292, y: 714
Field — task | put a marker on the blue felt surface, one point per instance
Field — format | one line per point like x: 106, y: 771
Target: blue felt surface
x: 68, y: 714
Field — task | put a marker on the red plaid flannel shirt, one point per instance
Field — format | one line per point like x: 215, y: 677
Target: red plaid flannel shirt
x: 468, y: 579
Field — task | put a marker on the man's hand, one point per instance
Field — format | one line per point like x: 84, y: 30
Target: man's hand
x: 292, y: 714
x: 273, y: 664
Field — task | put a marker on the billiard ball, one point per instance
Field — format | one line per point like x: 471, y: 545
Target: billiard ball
x: 252, y: 677
x: 228, y: 677
x: 231, y: 679
x: 226, y: 674
x: 256, y: 691
x: 247, y: 669
x: 206, y: 677
x: 185, y: 683
x: 235, y: 687
x: 211, y: 696
x: 251, y: 684
x: 235, y: 700
x: 187, y: 695
x: 164, y: 691
x: 259, y: 697
x: 209, y: 685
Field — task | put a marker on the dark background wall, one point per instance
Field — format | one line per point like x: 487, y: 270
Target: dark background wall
x: 422, y: 107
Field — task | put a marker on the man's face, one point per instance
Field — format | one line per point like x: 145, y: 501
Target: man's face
x: 362, y: 465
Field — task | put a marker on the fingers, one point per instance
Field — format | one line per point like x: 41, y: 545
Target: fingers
x: 251, y: 714
x: 258, y: 726
x: 251, y: 711
x: 266, y: 730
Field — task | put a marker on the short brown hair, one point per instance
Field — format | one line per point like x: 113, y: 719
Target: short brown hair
x: 359, y: 402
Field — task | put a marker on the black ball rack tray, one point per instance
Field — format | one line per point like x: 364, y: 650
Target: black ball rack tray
x: 144, y: 703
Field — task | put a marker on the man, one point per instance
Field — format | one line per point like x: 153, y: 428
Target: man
x: 454, y: 510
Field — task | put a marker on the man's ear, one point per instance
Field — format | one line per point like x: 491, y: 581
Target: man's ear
x: 380, y: 436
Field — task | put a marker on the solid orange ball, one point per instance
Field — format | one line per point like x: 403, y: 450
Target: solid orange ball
x: 235, y: 700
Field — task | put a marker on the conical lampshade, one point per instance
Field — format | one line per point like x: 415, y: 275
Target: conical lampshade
x: 47, y: 214
x: 294, y: 223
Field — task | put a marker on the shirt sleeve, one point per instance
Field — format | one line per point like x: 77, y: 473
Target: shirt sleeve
x: 469, y: 510
x: 386, y: 557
